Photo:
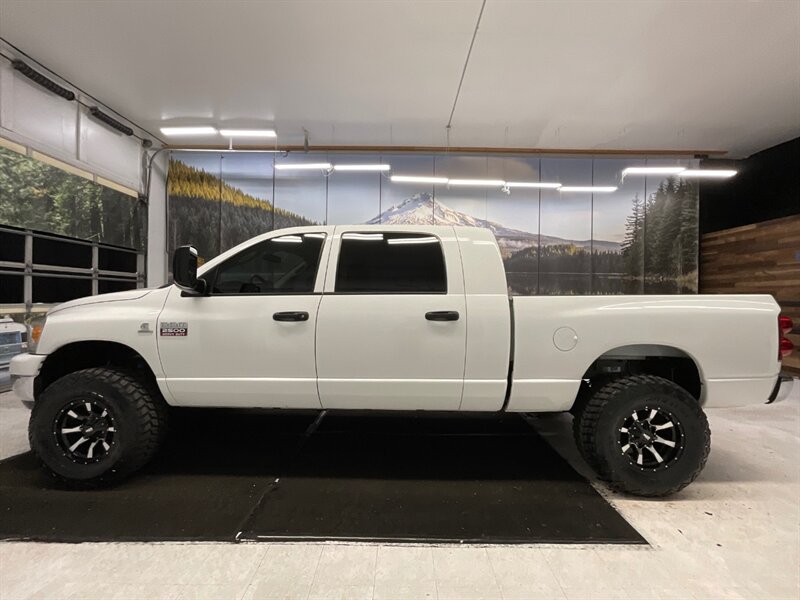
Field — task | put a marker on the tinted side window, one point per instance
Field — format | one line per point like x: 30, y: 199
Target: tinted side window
x: 391, y: 263
x: 282, y: 265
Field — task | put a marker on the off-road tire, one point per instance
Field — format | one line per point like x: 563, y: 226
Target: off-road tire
x: 597, y: 425
x: 140, y: 418
x: 578, y: 412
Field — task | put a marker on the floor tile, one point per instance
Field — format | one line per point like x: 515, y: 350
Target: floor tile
x: 522, y: 567
x: 530, y: 592
x: 463, y: 566
x: 404, y: 564
x: 392, y: 590
x: 231, y: 591
x: 324, y: 591
x: 230, y: 563
x: 345, y: 566
x: 448, y: 590
x: 278, y: 589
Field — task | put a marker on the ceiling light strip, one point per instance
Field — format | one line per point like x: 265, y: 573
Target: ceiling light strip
x: 417, y: 179
x: 371, y: 167
x: 533, y: 184
x: 253, y: 133
x: 302, y: 166
x: 652, y: 171
x: 708, y: 173
x: 587, y: 188
x: 196, y: 130
x: 477, y: 182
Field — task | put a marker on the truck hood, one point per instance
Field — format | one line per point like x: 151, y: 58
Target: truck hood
x: 102, y: 298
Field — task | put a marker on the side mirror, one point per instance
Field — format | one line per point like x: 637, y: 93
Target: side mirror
x: 184, y: 271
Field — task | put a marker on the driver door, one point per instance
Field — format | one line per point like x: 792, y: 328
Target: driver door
x: 250, y: 341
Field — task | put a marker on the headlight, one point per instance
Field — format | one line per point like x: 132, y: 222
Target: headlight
x: 35, y: 328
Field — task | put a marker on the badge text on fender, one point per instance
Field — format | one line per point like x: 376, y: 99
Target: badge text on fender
x: 174, y: 329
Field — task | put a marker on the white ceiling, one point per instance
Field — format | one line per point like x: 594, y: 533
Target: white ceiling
x: 659, y: 74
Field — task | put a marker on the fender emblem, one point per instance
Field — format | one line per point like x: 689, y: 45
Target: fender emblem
x: 145, y: 328
x: 174, y: 329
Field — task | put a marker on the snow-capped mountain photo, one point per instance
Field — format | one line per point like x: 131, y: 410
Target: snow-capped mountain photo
x: 421, y: 209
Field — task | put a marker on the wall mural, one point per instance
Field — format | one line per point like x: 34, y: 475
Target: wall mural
x: 642, y: 238
x: 35, y: 195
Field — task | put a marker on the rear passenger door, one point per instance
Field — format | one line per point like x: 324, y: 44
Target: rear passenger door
x: 391, y: 330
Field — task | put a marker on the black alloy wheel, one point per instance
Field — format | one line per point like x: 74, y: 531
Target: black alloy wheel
x: 85, y: 430
x: 652, y: 438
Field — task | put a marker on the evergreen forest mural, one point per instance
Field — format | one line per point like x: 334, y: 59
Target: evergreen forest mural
x: 35, y: 195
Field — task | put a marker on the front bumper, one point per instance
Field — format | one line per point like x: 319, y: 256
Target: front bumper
x: 782, y: 389
x: 23, y: 370
x: 23, y: 389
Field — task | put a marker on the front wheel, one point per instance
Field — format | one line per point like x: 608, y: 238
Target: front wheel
x: 646, y: 435
x: 96, y: 426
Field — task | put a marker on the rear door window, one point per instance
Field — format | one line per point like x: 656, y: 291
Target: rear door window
x: 391, y: 263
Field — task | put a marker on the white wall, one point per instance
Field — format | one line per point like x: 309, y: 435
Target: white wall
x: 39, y: 119
x: 157, y: 222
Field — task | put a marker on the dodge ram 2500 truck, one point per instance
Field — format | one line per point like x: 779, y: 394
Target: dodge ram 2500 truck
x: 396, y: 318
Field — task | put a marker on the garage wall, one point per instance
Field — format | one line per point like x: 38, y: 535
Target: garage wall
x: 766, y: 187
x: 762, y: 258
x: 750, y: 231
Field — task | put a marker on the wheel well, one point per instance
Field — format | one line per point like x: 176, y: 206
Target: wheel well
x: 648, y: 359
x: 84, y: 355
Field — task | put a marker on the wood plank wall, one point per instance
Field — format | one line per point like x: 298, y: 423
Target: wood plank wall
x: 763, y: 258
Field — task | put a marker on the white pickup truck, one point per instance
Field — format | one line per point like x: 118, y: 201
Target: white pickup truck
x: 395, y: 318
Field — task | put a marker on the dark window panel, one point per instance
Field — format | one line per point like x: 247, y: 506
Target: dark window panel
x: 106, y: 286
x: 109, y: 259
x: 60, y: 289
x: 11, y: 289
x: 391, y: 263
x: 12, y: 246
x: 61, y: 253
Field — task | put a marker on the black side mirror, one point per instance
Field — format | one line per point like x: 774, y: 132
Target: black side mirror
x: 184, y: 271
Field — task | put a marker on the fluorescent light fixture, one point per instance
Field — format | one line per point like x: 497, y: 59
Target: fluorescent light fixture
x: 375, y: 167
x: 302, y: 166
x: 363, y: 237
x: 532, y: 184
x: 288, y: 239
x: 710, y: 173
x: 587, y: 188
x: 478, y: 182
x: 234, y: 133
x: 653, y: 171
x: 419, y: 240
x: 201, y: 130
x: 416, y: 179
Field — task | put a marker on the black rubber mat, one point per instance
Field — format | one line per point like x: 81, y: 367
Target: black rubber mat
x: 232, y: 475
x: 204, y: 483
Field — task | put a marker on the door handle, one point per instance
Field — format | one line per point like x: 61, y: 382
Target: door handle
x: 291, y: 316
x: 442, y: 315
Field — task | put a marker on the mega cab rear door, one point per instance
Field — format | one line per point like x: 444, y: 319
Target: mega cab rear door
x: 391, y: 330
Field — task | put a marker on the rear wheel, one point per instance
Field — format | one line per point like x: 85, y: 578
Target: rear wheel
x: 96, y: 426
x: 643, y: 434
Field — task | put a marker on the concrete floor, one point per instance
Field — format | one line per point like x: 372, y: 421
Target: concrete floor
x: 734, y: 533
